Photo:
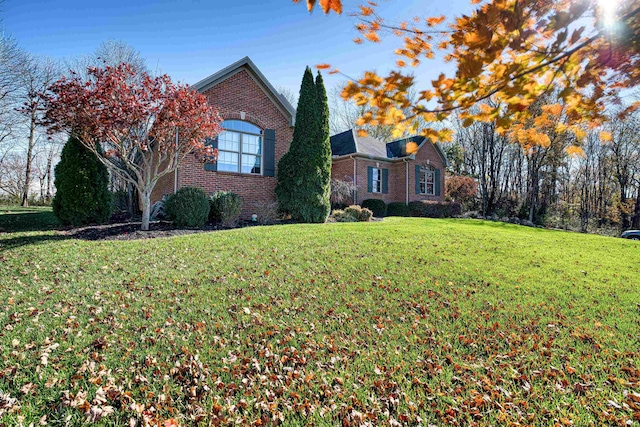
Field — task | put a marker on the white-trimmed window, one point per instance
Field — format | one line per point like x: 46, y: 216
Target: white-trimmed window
x: 427, y: 182
x: 376, y: 180
x: 240, y: 148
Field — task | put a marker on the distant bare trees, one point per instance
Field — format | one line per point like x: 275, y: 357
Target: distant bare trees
x: 597, y: 189
x: 23, y: 78
x: 27, y: 153
x: 10, y: 57
x: 111, y: 53
x: 34, y: 76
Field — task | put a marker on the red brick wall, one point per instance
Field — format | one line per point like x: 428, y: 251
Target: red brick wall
x: 426, y: 153
x: 238, y: 93
x: 362, y: 167
x: 343, y: 170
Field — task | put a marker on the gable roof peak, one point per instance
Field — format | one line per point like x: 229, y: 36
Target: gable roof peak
x: 246, y: 63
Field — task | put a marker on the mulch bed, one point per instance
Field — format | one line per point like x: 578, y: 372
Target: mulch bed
x: 131, y: 231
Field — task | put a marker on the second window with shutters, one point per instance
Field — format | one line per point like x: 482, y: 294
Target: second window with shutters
x: 377, y: 180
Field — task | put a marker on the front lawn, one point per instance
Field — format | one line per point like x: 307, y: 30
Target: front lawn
x: 401, y: 322
x: 32, y: 218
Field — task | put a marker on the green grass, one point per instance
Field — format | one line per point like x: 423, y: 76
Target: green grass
x: 441, y: 322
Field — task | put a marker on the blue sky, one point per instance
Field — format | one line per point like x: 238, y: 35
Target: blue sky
x: 190, y: 40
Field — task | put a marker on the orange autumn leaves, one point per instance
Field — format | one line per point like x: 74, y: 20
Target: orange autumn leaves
x: 508, y: 52
x: 326, y: 5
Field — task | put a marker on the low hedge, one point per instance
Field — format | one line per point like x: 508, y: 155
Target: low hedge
x: 397, y: 209
x: 188, y: 207
x: 377, y: 206
x: 353, y: 213
x: 428, y: 209
x: 225, y: 208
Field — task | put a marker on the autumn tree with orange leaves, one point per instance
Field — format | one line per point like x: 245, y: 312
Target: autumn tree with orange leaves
x: 510, y: 51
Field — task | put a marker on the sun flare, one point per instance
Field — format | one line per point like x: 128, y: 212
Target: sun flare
x: 609, y: 8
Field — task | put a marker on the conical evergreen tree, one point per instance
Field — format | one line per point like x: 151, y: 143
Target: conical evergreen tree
x: 300, y: 186
x: 323, y: 156
x: 82, y: 193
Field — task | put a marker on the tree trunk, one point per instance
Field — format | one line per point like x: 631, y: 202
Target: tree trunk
x: 533, y: 186
x: 145, y: 200
x: 42, y: 179
x: 49, y: 166
x: 532, y: 206
x: 636, y: 216
x: 624, y: 217
x: 27, y: 176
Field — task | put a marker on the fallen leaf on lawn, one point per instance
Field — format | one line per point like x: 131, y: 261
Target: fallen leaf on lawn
x: 96, y: 413
x: 27, y: 388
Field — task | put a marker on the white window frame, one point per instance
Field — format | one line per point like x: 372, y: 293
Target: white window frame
x: 240, y: 151
x: 427, y: 179
x: 376, y: 184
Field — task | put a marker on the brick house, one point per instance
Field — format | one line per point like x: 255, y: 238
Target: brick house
x: 258, y: 123
x: 405, y: 170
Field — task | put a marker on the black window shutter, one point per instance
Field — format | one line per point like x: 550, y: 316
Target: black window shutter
x: 370, y: 179
x: 269, y: 156
x: 437, y: 179
x: 385, y: 181
x: 417, y: 179
x: 211, y: 166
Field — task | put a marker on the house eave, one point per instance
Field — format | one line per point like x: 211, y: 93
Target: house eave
x: 364, y: 156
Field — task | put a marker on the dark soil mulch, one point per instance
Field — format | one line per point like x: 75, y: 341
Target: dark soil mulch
x: 131, y: 231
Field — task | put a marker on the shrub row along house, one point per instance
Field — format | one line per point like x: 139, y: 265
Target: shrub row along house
x: 258, y: 123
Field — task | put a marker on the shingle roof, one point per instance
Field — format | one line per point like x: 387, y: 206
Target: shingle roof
x: 399, y: 148
x: 371, y: 145
x: 343, y: 143
x: 348, y: 142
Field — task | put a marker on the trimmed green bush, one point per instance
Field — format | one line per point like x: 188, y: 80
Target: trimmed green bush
x: 82, y: 193
x: 431, y: 209
x: 377, y: 206
x: 397, y: 209
x: 340, y: 216
x: 188, y: 207
x: 353, y: 213
x: 363, y: 214
x: 225, y: 208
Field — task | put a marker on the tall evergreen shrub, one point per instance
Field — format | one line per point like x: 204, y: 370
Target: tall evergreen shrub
x: 82, y: 187
x: 304, y: 172
x: 323, y: 156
